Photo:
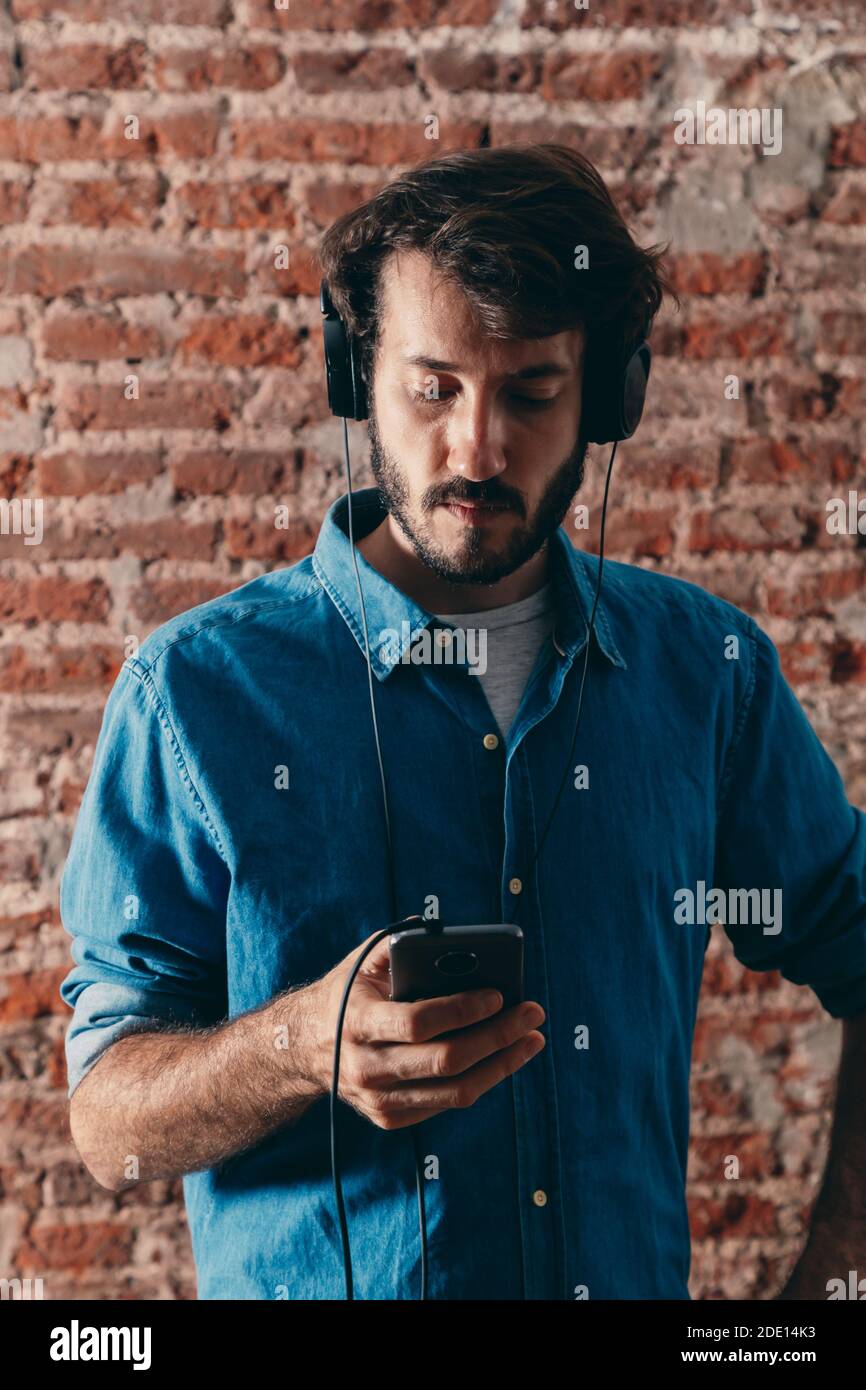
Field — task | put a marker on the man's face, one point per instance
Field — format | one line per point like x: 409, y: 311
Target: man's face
x: 474, y: 440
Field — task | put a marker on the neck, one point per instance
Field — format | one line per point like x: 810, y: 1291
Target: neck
x: 388, y: 551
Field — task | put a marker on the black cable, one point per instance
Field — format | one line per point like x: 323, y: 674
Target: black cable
x: 392, y: 884
x: 338, y: 1190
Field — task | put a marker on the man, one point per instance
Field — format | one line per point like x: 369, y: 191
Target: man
x: 230, y: 858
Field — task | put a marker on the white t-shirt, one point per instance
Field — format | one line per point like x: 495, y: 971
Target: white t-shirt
x: 515, y: 634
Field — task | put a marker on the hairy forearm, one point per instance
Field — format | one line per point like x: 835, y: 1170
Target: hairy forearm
x: 162, y: 1104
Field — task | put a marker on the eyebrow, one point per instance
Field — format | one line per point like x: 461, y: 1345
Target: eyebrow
x: 538, y: 369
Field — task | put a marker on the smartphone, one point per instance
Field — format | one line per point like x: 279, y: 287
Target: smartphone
x: 429, y: 962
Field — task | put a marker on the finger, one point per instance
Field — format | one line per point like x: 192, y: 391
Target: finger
x: 424, y: 1019
x: 378, y: 959
x: 452, y: 1053
x: 404, y: 1104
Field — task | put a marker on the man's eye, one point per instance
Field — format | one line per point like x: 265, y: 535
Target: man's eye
x: 426, y: 399
x: 536, y: 401
x: 533, y: 402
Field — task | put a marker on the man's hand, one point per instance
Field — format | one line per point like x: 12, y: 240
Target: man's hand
x: 402, y: 1063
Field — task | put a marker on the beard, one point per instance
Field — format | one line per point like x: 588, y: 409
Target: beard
x: 473, y: 561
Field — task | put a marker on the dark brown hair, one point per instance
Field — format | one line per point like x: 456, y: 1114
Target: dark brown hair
x: 503, y: 224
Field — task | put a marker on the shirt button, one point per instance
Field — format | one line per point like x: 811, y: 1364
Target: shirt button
x: 515, y: 886
x: 491, y: 741
x: 443, y: 636
x: 539, y: 1197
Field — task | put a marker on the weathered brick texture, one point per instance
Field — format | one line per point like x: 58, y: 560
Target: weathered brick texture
x: 161, y: 389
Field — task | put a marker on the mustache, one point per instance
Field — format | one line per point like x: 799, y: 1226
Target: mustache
x: 465, y: 491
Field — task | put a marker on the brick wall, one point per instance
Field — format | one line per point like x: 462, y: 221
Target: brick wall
x: 161, y: 391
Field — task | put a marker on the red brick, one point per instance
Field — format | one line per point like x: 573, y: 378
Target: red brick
x: 58, y: 668
x: 328, y: 199
x: 251, y: 69
x: 454, y: 69
x: 185, y: 405
x: 611, y: 148
x: 843, y: 331
x: 77, y: 475
x: 184, y: 134
x: 736, y: 1213
x: 770, y: 460
x: 751, y: 336
x: 53, y: 599
x: 617, y: 14
x: 303, y: 275
x: 370, y: 16
x: 199, y: 12
x: 631, y: 531
x: 89, y: 337
x: 804, y: 662
x: 365, y: 70
x: 763, y: 527
x: 816, y: 594
x: 242, y: 340
x: 758, y: 1157
x: 169, y: 538
x: 847, y: 206
x: 242, y: 205
x: 707, y: 272
x: 74, y: 1248
x: 802, y: 396
x: 35, y: 139
x: 34, y: 1118
x: 352, y: 142
x: 119, y: 202
x: 115, y: 272
x: 670, y: 469
x: 621, y: 76
x: 14, y: 202
x: 848, y: 146
x: 848, y: 662
x: 32, y: 995
x: 76, y: 66
x: 213, y: 473
x: 261, y: 540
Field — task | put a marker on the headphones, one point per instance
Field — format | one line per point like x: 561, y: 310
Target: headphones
x: 613, y: 403
x: 613, y: 399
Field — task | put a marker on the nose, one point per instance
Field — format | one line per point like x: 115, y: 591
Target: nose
x: 476, y: 437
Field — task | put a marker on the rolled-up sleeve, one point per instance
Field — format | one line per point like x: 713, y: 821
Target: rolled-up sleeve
x: 144, y: 889
x: 785, y: 823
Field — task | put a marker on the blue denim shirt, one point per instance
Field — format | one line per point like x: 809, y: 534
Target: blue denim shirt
x: 199, y: 885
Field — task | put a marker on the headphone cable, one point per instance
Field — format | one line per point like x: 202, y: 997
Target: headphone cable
x: 392, y: 886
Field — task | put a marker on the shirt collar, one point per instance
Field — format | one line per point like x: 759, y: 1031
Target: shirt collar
x: 390, y: 610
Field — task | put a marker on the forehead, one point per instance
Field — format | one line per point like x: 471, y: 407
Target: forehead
x: 425, y: 314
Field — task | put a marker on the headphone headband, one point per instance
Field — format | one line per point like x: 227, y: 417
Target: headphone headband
x: 612, y: 401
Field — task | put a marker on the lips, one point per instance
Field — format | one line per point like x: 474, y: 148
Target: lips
x: 476, y: 506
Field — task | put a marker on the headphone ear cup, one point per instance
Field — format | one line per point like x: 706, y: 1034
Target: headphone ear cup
x: 359, y: 386
x: 347, y: 396
x: 613, y: 405
x: 634, y: 387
